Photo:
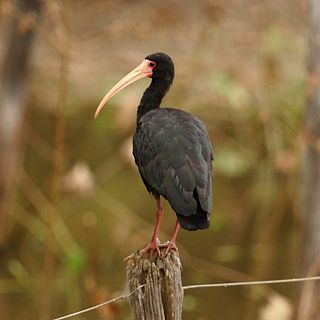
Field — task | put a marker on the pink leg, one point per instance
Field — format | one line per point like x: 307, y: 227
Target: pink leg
x: 172, y: 242
x: 153, y: 245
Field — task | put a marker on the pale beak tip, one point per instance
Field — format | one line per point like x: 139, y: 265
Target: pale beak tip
x: 97, y: 112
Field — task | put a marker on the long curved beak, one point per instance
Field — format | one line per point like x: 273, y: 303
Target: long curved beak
x: 143, y: 70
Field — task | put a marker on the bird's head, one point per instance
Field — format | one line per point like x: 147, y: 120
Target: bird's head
x: 164, y: 68
x: 157, y: 66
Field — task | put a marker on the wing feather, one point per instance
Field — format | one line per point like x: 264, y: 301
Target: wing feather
x: 174, y: 155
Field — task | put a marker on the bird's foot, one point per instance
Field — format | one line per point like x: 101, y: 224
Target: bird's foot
x: 171, y: 245
x: 154, y: 245
x: 161, y: 249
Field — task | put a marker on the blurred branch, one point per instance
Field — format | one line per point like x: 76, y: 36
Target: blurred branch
x: 60, y: 17
x: 32, y: 224
x: 43, y: 207
x: 13, y: 95
x: 38, y: 143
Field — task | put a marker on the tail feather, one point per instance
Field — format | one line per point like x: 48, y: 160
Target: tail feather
x: 196, y: 221
x: 200, y: 220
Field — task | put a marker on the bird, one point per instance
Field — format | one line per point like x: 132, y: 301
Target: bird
x: 172, y: 150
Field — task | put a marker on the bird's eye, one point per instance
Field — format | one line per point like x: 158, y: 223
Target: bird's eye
x: 152, y: 64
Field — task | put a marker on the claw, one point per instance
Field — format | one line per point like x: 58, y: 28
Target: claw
x: 171, y: 246
x: 152, y: 246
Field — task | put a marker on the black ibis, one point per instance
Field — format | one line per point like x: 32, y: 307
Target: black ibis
x: 172, y: 150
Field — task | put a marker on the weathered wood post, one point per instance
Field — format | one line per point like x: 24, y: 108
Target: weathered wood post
x: 162, y: 295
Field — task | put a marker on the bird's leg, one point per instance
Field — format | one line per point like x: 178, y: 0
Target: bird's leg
x: 172, y: 243
x: 154, y: 243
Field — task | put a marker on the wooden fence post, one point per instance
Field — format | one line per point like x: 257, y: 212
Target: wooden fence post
x: 161, y: 297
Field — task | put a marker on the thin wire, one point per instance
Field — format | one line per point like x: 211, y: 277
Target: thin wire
x: 249, y: 283
x: 196, y: 286
x: 122, y: 297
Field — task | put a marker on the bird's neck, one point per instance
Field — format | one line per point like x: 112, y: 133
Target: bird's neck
x: 152, y: 97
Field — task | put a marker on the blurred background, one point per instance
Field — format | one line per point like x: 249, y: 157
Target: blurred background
x: 72, y: 204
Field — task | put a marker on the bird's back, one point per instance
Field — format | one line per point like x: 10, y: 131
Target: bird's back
x: 174, y: 155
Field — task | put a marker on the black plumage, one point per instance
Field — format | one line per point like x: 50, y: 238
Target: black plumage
x: 171, y: 148
x: 173, y: 151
